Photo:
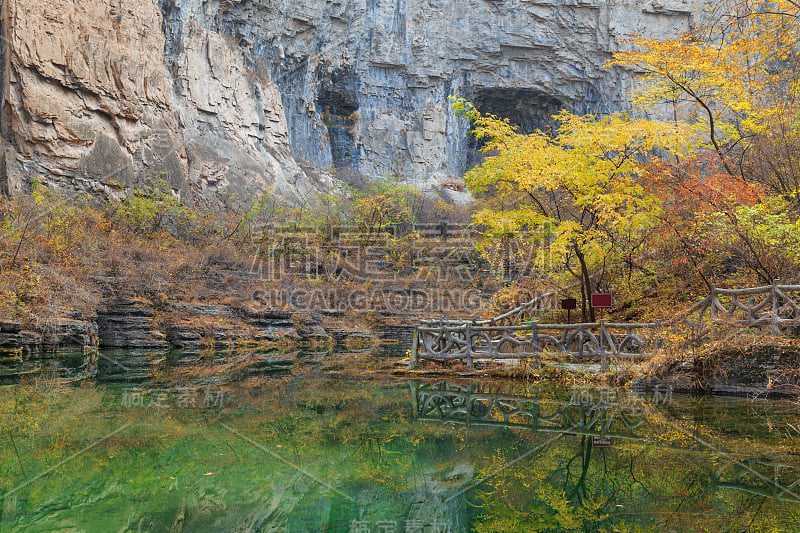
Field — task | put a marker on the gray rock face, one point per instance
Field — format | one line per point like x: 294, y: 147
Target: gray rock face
x: 220, y: 96
x: 129, y: 324
x: 64, y: 336
x: 64, y: 350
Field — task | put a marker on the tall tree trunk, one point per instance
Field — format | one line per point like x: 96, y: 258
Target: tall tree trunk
x: 584, y: 304
x: 587, y: 284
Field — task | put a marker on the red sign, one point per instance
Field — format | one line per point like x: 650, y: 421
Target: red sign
x: 602, y: 442
x: 601, y: 300
x: 569, y: 304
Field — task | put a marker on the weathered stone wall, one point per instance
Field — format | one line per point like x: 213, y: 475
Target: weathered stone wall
x: 92, y: 102
x: 243, y: 95
x: 83, y: 90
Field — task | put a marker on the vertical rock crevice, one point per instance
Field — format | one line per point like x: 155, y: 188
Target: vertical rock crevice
x: 232, y: 96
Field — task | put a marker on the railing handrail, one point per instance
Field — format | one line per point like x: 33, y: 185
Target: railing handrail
x: 468, y: 339
x: 477, y: 326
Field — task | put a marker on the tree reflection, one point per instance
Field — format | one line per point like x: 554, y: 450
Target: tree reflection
x: 660, y: 472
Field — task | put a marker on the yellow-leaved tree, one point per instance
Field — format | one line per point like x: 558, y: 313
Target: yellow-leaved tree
x: 737, y: 76
x: 576, y: 190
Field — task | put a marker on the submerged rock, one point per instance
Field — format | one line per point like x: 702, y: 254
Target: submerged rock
x: 62, y: 336
x: 128, y: 366
x: 64, y: 350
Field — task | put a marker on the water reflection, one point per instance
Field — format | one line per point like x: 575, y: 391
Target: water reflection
x: 147, y: 365
x: 63, y: 367
x: 303, y: 451
x: 587, y: 412
x: 576, y: 476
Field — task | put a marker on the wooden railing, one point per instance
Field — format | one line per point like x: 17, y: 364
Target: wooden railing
x: 516, y: 334
x: 776, y: 306
x: 467, y: 341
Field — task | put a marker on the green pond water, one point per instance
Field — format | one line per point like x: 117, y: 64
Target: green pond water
x: 317, y: 450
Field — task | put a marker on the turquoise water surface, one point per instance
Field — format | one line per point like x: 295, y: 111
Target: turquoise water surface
x: 324, y: 451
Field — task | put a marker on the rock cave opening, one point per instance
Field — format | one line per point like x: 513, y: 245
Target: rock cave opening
x: 527, y: 109
x: 339, y: 110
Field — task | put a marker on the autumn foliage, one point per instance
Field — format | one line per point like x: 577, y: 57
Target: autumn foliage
x: 707, y: 194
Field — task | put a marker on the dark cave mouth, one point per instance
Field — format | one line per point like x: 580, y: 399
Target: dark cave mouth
x: 339, y: 110
x: 527, y: 109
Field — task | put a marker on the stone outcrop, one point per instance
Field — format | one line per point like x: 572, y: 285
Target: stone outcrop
x: 242, y: 96
x: 129, y: 324
x: 239, y: 326
x: 62, y: 351
x: 741, y: 367
x: 64, y: 336
x: 353, y: 339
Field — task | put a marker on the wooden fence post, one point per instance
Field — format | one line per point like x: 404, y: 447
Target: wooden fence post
x: 414, y: 348
x: 603, y: 357
x: 414, y: 398
x: 535, y: 341
x: 712, y: 316
x: 776, y: 307
x: 659, y: 338
x: 713, y: 313
x: 468, y: 331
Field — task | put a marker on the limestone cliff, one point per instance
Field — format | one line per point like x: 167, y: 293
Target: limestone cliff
x: 223, y: 96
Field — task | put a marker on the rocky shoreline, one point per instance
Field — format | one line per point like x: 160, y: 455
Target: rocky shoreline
x: 136, y: 325
x: 132, y: 324
x: 755, y: 368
